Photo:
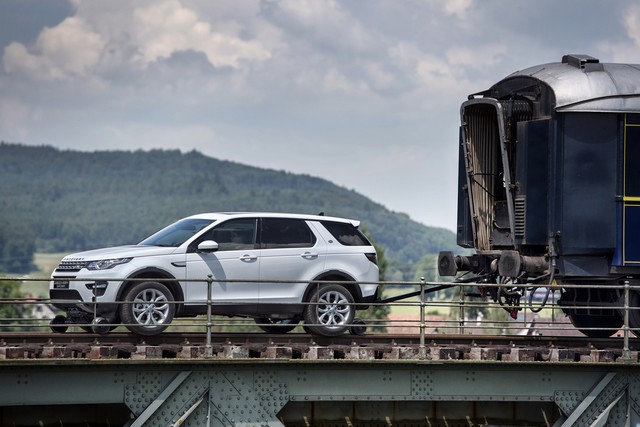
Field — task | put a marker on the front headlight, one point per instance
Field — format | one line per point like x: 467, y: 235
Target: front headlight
x: 105, y: 264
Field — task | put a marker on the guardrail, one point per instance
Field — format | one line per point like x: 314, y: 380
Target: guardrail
x: 419, y: 308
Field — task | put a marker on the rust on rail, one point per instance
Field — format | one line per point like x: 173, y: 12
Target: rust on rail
x: 384, y: 347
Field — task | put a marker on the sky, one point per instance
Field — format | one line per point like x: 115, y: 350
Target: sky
x: 363, y: 93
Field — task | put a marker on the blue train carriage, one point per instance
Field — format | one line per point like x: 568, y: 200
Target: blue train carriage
x: 549, y: 189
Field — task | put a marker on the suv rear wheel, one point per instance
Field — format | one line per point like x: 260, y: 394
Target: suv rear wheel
x: 330, y: 311
x: 148, y: 308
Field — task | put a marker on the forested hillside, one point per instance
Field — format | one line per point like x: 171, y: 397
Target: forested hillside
x: 63, y: 201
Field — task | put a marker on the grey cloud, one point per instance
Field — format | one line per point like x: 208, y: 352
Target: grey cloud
x: 292, y: 81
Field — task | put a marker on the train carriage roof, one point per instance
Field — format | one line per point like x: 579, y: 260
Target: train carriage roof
x: 582, y: 83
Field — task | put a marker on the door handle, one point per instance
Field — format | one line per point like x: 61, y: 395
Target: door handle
x: 309, y: 255
x: 248, y: 258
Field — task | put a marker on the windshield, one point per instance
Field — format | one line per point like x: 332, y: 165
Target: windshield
x: 177, y: 233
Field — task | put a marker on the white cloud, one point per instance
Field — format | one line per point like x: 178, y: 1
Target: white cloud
x: 163, y: 28
x: 436, y: 78
x: 116, y: 35
x: 632, y: 23
x: 335, y: 81
x: 476, y: 58
x: 458, y: 8
x: 628, y: 50
x: 324, y: 24
x: 71, y: 49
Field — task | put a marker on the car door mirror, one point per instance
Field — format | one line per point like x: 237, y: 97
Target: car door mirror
x: 208, y: 246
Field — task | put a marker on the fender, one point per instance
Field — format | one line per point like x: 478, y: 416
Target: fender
x: 156, y: 273
x: 338, y: 275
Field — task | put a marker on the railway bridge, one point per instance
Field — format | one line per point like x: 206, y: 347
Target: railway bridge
x: 422, y: 371
x: 252, y: 382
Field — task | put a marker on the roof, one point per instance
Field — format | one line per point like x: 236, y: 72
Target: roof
x: 582, y: 83
x: 228, y: 215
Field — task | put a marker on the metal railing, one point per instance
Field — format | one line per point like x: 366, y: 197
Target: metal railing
x: 405, y: 308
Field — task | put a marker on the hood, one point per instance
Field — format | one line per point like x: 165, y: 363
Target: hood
x: 130, y: 251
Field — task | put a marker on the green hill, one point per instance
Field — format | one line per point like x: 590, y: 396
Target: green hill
x: 71, y: 200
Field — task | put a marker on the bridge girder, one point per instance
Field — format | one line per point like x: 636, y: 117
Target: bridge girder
x: 273, y: 393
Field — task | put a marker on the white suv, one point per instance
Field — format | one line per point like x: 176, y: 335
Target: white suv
x: 269, y: 266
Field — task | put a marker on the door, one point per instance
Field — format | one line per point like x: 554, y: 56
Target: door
x: 631, y: 191
x: 290, y: 251
x: 236, y: 260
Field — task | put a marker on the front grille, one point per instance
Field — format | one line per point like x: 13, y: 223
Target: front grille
x: 59, y: 296
x: 71, y: 266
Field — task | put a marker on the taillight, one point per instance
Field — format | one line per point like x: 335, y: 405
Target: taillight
x: 372, y: 257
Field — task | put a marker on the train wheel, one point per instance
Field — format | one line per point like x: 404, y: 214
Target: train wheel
x: 330, y: 311
x: 604, y: 326
x: 148, y: 308
x: 277, y: 326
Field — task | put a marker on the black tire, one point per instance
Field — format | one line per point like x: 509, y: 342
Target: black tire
x: 98, y: 326
x: 330, y: 310
x: 276, y: 326
x: 609, y: 324
x: 92, y: 330
x: 90, y: 327
x: 148, y: 308
x: 59, y: 324
x: 358, y: 327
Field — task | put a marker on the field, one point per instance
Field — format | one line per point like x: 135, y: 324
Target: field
x: 45, y: 264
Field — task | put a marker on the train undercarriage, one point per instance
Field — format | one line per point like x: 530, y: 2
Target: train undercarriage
x: 596, y: 306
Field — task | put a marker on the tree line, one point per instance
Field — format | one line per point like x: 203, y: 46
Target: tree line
x: 64, y: 201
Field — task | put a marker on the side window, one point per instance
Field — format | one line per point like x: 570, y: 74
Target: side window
x: 346, y: 233
x: 286, y: 233
x: 233, y: 235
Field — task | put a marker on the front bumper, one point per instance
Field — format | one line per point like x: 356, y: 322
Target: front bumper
x: 91, y: 296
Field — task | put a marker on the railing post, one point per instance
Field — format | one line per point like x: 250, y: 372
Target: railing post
x: 461, y: 311
x: 208, y: 351
x: 422, y: 352
x: 94, y: 301
x: 524, y: 312
x: 626, y: 352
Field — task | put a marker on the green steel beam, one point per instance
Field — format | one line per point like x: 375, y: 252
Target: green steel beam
x: 299, y: 392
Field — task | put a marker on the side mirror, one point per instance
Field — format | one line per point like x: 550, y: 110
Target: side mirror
x: 208, y: 246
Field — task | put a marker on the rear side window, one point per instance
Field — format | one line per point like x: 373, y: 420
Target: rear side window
x: 286, y: 233
x: 346, y: 233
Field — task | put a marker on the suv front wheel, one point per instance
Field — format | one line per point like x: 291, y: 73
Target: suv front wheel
x: 330, y: 310
x: 148, y: 308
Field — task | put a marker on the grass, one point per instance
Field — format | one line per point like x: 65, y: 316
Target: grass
x: 410, y: 306
x: 45, y: 264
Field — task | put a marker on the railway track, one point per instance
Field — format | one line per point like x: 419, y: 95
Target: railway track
x: 87, y: 346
